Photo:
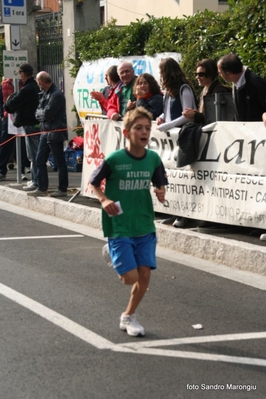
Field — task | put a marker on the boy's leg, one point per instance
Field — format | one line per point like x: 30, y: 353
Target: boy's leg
x: 128, y: 321
x: 127, y: 254
x: 139, y: 287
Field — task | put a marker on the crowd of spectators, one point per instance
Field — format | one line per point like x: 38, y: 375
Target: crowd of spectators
x: 172, y: 103
x: 37, y: 104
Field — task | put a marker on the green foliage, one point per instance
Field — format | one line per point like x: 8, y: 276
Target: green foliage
x: 165, y: 35
x: 113, y: 41
x: 249, y: 41
x: 206, y: 34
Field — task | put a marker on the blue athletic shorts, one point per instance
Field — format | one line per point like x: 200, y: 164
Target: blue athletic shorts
x: 128, y: 253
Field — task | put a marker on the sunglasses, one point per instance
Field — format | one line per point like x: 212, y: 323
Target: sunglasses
x: 200, y: 74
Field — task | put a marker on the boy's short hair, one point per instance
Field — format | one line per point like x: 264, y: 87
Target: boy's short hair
x: 136, y: 113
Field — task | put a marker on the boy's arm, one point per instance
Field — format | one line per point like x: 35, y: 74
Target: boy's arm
x: 160, y: 193
x: 108, y: 205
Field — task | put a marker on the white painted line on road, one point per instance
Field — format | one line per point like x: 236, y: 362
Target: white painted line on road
x: 101, y: 343
x: 201, y: 356
x: 41, y: 237
x: 56, y: 318
x: 197, y: 340
x: 53, y: 220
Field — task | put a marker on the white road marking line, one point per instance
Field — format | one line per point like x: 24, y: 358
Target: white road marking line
x: 40, y: 237
x: 196, y: 340
x: 101, y: 343
x: 56, y: 318
x: 201, y: 356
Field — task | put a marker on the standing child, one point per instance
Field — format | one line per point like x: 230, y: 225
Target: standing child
x: 127, y: 210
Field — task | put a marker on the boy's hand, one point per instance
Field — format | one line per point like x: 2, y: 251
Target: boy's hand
x: 160, y: 194
x: 110, y: 207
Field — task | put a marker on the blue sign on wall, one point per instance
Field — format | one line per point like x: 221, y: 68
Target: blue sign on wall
x: 14, y: 3
x: 14, y: 12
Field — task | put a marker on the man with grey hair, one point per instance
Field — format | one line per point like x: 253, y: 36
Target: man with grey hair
x: 51, y: 113
x: 123, y: 98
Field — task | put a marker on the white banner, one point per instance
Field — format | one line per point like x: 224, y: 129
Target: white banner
x: 227, y: 184
x: 91, y: 77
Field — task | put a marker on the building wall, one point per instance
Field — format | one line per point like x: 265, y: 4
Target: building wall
x: 126, y: 11
x: 201, y: 5
x: 47, y: 6
x: 76, y: 17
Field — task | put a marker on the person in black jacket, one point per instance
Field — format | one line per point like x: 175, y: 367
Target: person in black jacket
x: 23, y: 105
x: 51, y: 113
x: 249, y: 90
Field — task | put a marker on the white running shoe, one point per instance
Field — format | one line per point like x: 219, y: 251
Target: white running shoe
x: 130, y: 324
x: 30, y: 187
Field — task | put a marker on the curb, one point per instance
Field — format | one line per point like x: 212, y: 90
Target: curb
x: 227, y: 252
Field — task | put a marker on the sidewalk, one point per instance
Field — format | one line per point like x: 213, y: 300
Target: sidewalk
x: 234, y: 247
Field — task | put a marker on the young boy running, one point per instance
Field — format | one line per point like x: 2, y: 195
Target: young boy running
x: 127, y: 210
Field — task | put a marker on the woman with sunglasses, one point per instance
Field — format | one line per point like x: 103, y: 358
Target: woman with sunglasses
x: 207, y: 77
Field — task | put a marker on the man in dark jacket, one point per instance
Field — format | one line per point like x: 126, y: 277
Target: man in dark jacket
x: 249, y: 90
x: 51, y: 114
x: 23, y: 105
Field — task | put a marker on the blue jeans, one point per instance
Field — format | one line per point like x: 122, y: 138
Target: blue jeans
x: 32, y: 143
x: 44, y: 150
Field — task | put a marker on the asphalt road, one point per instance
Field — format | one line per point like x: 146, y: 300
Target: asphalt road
x: 59, y: 314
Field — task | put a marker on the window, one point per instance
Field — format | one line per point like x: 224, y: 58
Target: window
x: 102, y: 15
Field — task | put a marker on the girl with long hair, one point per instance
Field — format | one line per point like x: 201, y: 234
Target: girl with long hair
x: 179, y: 95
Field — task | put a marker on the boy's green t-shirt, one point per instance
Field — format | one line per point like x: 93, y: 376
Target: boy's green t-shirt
x: 129, y: 183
